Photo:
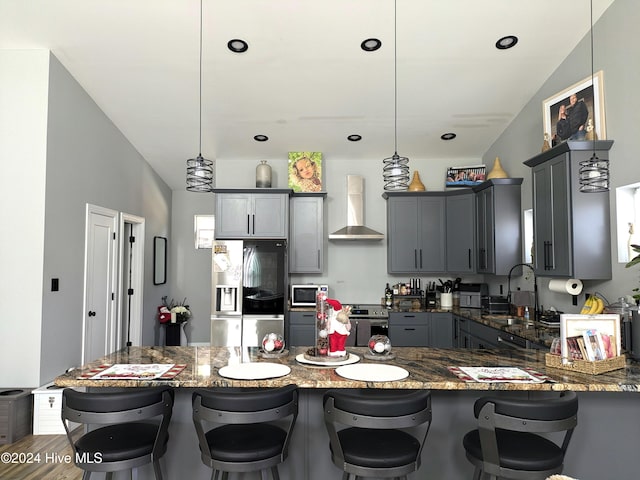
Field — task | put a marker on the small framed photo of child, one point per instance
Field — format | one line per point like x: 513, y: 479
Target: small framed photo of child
x: 305, y: 171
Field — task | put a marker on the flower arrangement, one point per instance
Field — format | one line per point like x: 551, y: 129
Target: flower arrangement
x: 169, y: 310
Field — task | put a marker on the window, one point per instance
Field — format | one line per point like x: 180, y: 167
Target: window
x: 203, y: 226
x: 628, y: 220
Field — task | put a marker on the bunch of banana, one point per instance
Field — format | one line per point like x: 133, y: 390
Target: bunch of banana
x: 593, y: 306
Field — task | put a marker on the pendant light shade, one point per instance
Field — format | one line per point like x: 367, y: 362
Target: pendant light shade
x: 396, y: 168
x: 199, y: 169
x: 199, y: 174
x: 594, y: 173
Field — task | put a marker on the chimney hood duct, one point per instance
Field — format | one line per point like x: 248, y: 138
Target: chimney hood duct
x: 355, y: 229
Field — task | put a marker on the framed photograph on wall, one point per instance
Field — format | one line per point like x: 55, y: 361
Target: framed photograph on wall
x: 602, y: 331
x: 577, y: 112
x: 465, y: 176
x: 305, y: 171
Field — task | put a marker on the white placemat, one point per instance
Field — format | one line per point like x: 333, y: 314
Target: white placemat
x: 352, y: 358
x: 369, y: 372
x: 254, y: 371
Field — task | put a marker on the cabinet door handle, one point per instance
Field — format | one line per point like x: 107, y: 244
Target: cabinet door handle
x: 253, y: 226
x: 91, y: 313
x: 415, y: 259
x: 407, y: 329
x: 409, y: 316
x: 420, y: 259
x: 469, y: 258
x: 319, y: 266
x: 248, y: 224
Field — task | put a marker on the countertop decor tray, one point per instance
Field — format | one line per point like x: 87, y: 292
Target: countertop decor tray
x: 583, y: 366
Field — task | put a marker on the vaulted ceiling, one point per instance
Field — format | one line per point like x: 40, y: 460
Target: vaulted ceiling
x: 304, y: 81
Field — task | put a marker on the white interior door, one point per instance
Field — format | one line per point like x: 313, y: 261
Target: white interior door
x: 99, y: 328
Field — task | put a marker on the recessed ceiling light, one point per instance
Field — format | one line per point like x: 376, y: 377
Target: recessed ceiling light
x: 448, y: 136
x: 354, y: 137
x: 506, y: 42
x: 371, y: 44
x: 260, y: 138
x: 237, y: 46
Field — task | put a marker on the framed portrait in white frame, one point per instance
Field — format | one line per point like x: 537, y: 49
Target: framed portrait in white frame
x: 572, y: 325
x: 592, y: 97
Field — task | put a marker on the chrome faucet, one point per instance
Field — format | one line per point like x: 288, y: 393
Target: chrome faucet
x: 535, y: 288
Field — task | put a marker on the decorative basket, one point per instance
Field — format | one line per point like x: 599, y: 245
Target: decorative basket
x: 584, y: 366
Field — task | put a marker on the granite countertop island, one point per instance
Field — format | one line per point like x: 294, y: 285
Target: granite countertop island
x: 427, y: 367
x: 607, y: 412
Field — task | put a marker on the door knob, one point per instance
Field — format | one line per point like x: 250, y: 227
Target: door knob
x: 92, y: 314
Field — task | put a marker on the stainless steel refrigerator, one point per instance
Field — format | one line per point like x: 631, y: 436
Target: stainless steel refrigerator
x: 249, y: 283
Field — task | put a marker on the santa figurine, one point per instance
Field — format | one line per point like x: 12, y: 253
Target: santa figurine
x: 339, y: 327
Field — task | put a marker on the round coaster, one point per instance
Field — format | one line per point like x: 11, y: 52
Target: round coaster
x: 380, y: 358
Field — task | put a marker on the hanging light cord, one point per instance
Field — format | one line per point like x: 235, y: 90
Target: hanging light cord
x: 395, y: 73
x: 592, y: 74
x: 200, y: 89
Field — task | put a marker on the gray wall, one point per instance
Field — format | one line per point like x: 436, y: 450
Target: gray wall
x: 616, y: 46
x: 88, y: 160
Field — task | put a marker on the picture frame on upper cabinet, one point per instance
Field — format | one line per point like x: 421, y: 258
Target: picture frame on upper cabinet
x: 466, y: 176
x: 588, y: 122
x: 305, y: 171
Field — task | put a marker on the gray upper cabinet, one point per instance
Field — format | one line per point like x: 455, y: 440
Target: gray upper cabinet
x: 572, y: 234
x: 242, y: 214
x: 416, y: 238
x: 461, y: 232
x: 306, y: 238
x: 499, y: 229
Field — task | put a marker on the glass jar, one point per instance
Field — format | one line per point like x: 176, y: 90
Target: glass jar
x: 379, y: 345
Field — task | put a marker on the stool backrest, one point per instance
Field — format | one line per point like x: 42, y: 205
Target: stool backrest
x: 226, y: 406
x: 377, y: 409
x: 524, y: 415
x: 101, y: 408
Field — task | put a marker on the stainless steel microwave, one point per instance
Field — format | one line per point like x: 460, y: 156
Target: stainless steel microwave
x: 305, y: 295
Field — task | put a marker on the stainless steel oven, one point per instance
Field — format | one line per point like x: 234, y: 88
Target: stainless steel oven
x: 367, y: 320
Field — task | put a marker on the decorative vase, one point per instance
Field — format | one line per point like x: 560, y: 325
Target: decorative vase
x: 416, y: 185
x: 497, y: 171
x: 263, y: 175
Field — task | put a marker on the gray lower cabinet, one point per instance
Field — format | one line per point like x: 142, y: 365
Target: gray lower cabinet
x: 461, y: 232
x: 306, y: 236
x: 241, y: 214
x: 421, y: 329
x: 416, y: 239
x: 301, y: 329
x: 499, y: 230
x: 571, y: 228
x: 471, y: 334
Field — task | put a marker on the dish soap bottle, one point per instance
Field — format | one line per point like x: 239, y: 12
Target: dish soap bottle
x: 526, y: 313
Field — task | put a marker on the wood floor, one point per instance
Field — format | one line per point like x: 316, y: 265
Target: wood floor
x: 39, y: 457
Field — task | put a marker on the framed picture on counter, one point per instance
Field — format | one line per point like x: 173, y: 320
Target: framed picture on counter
x: 594, y: 336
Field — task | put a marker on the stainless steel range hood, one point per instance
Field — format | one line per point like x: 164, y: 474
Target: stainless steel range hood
x: 355, y: 229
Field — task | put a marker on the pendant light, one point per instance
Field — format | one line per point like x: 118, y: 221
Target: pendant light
x: 199, y: 169
x: 396, y: 168
x: 594, y: 173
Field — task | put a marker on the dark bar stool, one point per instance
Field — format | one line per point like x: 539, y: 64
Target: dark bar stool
x: 506, y: 443
x: 369, y: 431
x: 245, y: 436
x: 126, y: 440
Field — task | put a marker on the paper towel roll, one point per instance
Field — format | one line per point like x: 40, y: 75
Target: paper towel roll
x: 572, y: 286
